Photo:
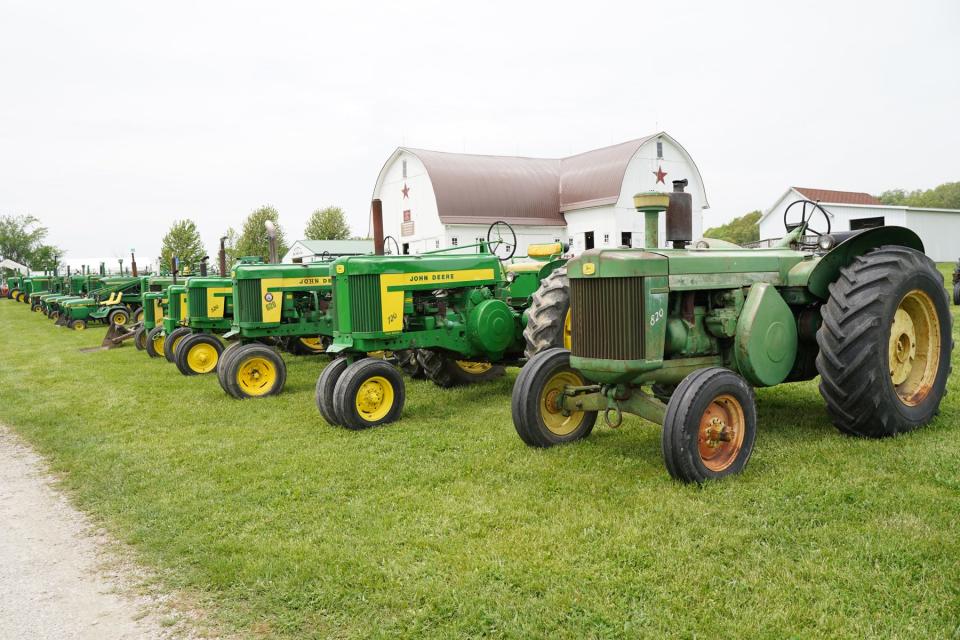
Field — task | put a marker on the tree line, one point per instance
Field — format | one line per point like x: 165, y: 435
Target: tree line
x: 22, y: 239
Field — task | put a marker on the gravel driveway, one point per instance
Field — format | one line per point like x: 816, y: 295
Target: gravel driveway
x: 57, y: 578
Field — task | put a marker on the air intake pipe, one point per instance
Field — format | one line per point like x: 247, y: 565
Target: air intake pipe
x: 680, y: 216
x: 272, y: 240
x: 376, y: 212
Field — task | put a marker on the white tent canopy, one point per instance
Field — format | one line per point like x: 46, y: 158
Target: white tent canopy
x: 14, y: 266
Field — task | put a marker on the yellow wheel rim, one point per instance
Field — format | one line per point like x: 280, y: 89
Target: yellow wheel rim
x: 120, y: 319
x: 176, y: 343
x: 158, y: 343
x: 567, y: 342
x: 256, y: 376
x: 475, y: 368
x: 914, y: 347
x: 314, y: 344
x: 139, y: 316
x: 202, y: 358
x: 374, y: 398
x: 79, y: 325
x: 722, y: 429
x: 554, y: 419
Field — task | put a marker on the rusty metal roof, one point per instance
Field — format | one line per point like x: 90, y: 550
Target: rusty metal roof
x: 479, y: 189
x: 837, y: 197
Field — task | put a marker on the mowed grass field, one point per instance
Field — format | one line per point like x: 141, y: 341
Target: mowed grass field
x: 446, y: 525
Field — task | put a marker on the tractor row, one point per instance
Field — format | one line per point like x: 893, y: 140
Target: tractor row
x: 679, y: 336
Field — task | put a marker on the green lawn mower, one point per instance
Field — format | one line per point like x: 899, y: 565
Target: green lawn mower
x: 464, y: 315
x: 106, y: 304
x: 682, y: 336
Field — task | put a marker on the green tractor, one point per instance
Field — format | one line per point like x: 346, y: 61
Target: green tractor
x: 286, y: 304
x: 79, y: 286
x: 464, y: 316
x: 160, y: 340
x: 14, y: 287
x: 682, y: 336
x: 154, y: 309
x: 40, y: 287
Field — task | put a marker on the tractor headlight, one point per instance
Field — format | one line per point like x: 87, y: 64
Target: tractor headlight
x: 826, y: 242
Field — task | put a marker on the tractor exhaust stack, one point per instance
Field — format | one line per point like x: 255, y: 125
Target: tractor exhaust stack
x: 203, y: 266
x: 222, y: 257
x: 133, y: 265
x: 376, y: 212
x: 173, y: 269
x: 680, y: 216
x: 272, y: 240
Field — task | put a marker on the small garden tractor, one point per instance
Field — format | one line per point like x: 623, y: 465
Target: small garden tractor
x: 103, y: 304
x: 705, y: 323
x: 463, y: 314
x: 79, y: 287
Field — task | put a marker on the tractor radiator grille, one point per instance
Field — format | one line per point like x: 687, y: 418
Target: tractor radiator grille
x: 197, y: 303
x: 247, y: 306
x: 365, y: 314
x: 149, y: 314
x: 606, y: 316
x: 173, y: 306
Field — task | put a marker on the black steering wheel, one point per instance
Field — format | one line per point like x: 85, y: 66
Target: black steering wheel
x: 386, y: 246
x: 499, y: 243
x: 806, y: 216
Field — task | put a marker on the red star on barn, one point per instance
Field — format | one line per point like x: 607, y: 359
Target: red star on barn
x: 660, y: 173
x: 405, y: 190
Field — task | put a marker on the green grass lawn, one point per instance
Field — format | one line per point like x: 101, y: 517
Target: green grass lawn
x: 445, y: 524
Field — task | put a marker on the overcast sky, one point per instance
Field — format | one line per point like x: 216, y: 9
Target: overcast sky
x: 116, y: 118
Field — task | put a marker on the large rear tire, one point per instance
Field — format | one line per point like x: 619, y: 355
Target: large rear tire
x: 710, y: 426
x: 445, y: 371
x: 885, y: 343
x: 537, y: 418
x: 409, y: 364
x: 548, y: 319
x: 956, y: 294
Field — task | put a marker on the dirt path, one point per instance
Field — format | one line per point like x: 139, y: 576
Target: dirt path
x: 57, y: 578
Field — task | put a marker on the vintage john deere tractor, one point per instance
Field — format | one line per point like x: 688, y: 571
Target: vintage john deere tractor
x: 462, y: 314
x: 706, y: 323
x: 209, y: 313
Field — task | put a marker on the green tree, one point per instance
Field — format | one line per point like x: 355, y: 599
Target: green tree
x: 21, y: 237
x: 45, y: 258
x: 944, y: 196
x: 253, y: 238
x: 328, y: 224
x: 183, y: 241
x: 740, y: 230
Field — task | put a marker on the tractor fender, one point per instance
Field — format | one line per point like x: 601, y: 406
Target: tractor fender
x: 827, y: 269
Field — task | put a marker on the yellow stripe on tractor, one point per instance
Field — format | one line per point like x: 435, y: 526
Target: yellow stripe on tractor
x: 216, y: 301
x: 392, y: 289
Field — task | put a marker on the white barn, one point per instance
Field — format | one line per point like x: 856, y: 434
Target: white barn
x: 851, y: 210
x: 434, y: 199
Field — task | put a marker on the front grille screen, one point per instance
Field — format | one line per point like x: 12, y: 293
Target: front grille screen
x: 365, y: 308
x: 607, y: 319
x: 197, y: 303
x: 173, y: 306
x: 247, y: 305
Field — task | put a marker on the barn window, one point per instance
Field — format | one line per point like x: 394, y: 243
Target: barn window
x: 556, y: 239
x: 436, y: 244
x: 404, y: 168
x: 454, y: 241
x: 606, y: 238
x: 659, y: 155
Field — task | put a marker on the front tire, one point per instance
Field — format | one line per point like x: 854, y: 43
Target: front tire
x: 118, y: 317
x: 77, y: 325
x: 885, y: 343
x: 326, y: 384
x: 172, y: 340
x: 538, y: 419
x: 198, y: 354
x: 140, y: 339
x: 370, y: 392
x: 154, y: 343
x: 710, y: 426
x: 956, y: 294
x: 254, y: 371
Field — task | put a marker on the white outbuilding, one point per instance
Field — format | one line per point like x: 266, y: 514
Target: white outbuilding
x: 435, y: 199
x: 852, y: 210
x: 315, y: 250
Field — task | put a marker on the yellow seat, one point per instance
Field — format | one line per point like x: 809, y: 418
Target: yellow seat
x: 524, y: 267
x: 544, y: 250
x: 110, y: 299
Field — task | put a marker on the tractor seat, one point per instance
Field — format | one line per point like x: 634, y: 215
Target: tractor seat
x: 544, y: 250
x: 524, y: 267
